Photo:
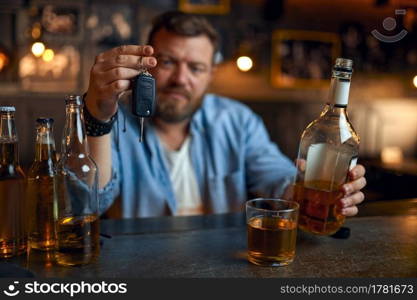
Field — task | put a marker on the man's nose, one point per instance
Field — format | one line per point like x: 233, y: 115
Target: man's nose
x: 180, y: 76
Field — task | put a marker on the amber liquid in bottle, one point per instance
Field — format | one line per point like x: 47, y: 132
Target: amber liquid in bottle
x: 13, y: 227
x: 319, y: 207
x: 42, y: 189
x: 79, y: 240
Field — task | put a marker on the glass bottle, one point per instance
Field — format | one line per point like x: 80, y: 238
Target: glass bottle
x: 328, y: 149
x: 78, y: 211
x: 42, y: 188
x: 13, y: 227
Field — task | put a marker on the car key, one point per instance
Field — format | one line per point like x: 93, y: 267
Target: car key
x: 143, y: 98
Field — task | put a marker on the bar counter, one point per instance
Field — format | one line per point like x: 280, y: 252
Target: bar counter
x: 382, y: 243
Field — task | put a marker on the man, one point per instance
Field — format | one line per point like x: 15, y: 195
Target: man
x: 201, y: 153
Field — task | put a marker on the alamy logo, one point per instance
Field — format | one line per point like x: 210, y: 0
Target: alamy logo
x: 11, y: 289
x: 389, y: 24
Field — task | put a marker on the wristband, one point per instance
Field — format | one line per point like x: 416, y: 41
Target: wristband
x: 96, y: 127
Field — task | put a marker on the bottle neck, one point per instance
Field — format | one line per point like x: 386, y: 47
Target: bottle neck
x: 45, y: 145
x: 9, y: 153
x: 339, y: 91
x: 8, y: 132
x: 75, y: 139
x: 335, y: 109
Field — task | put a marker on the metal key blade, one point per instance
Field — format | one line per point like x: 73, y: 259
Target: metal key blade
x: 141, y: 119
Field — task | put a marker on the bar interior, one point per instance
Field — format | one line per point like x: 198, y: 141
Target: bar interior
x: 280, y: 61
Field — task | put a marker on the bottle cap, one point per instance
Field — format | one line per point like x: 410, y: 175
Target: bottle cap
x: 343, y: 64
x: 73, y: 99
x: 7, y: 109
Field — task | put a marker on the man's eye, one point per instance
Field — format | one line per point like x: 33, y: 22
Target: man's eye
x: 166, y: 62
x: 197, y: 69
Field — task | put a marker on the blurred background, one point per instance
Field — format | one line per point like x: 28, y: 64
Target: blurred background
x: 275, y: 56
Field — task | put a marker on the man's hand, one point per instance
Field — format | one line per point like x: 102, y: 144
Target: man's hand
x: 352, y: 195
x: 111, y: 74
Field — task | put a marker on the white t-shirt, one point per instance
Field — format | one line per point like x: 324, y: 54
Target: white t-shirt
x: 184, y: 181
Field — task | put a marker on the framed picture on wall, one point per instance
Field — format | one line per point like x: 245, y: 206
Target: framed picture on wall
x: 303, y: 59
x: 204, y: 6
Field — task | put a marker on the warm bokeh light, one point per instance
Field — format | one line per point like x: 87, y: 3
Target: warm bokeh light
x: 48, y: 55
x: 415, y: 81
x: 244, y: 63
x: 4, y: 60
x: 392, y: 155
x: 36, y: 32
x: 38, y: 48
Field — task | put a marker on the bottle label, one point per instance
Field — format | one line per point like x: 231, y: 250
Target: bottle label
x: 344, y: 129
x: 353, y: 162
x: 339, y: 93
x: 326, y: 163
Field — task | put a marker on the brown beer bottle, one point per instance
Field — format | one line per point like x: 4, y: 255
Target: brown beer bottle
x: 42, y: 189
x: 13, y: 231
x: 329, y: 148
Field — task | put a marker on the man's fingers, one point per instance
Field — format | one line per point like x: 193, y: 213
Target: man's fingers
x: 354, y: 186
x: 118, y: 73
x: 350, y: 211
x: 117, y: 87
x: 133, y: 62
x: 120, y: 85
x: 357, y: 172
x: 352, y: 200
x: 109, y: 93
x: 110, y: 75
x: 301, y: 164
x: 125, y: 50
x: 127, y: 61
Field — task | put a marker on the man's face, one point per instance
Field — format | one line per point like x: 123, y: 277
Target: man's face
x: 182, y: 75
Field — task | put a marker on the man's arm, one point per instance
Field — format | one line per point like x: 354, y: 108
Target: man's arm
x: 109, y: 77
x: 269, y: 171
x: 100, y: 150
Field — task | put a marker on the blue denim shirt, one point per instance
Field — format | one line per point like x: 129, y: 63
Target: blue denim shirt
x: 230, y: 150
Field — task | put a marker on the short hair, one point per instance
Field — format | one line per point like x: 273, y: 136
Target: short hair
x: 186, y: 25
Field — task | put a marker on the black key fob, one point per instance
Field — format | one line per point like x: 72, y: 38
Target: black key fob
x: 143, y: 95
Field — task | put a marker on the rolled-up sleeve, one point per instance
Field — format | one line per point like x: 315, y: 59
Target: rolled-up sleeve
x: 111, y: 190
x: 269, y: 171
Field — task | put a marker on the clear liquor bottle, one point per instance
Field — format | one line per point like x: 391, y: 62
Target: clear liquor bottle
x: 78, y: 207
x: 328, y: 149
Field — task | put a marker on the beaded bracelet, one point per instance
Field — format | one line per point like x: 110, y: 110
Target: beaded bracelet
x: 96, y: 127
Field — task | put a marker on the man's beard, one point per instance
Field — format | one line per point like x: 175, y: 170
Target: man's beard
x: 167, y: 110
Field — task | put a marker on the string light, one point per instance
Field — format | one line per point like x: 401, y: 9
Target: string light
x: 415, y: 81
x: 38, y: 49
x: 4, y: 60
x: 48, y: 55
x: 36, y: 32
x: 244, y: 63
